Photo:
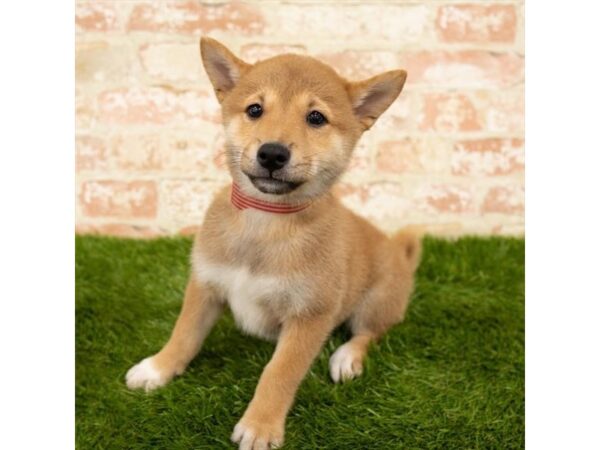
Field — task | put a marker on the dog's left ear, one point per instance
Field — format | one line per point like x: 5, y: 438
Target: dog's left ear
x: 224, y: 69
x: 370, y: 98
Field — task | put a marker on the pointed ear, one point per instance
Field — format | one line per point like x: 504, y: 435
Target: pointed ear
x: 224, y: 69
x: 370, y: 98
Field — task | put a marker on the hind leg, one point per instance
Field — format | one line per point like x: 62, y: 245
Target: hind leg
x: 347, y: 361
x: 384, y: 306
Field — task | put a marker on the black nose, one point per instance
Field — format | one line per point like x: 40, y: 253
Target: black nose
x: 273, y: 156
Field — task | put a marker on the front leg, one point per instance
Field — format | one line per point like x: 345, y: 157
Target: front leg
x: 199, y: 312
x: 262, y: 426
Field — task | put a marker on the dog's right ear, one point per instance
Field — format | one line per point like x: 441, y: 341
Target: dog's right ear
x: 224, y: 69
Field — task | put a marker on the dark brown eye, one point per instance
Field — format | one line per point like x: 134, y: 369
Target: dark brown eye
x: 254, y: 111
x: 316, y: 119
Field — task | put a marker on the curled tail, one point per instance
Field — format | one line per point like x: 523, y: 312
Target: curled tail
x: 408, y: 243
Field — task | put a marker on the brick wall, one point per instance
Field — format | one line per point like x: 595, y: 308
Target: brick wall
x: 449, y: 154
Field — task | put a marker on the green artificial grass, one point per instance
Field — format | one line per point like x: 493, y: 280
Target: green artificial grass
x: 450, y: 377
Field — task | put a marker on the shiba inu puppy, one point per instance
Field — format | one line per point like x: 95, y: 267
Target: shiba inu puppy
x: 277, y: 247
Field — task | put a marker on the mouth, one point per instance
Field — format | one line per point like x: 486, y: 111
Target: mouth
x: 271, y: 185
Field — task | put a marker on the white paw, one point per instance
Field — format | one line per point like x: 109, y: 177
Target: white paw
x: 251, y: 438
x: 145, y: 375
x: 345, y: 364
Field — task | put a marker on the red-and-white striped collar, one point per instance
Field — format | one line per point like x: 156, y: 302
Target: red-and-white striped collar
x: 242, y: 201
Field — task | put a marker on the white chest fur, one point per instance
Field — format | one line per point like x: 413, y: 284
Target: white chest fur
x: 256, y: 301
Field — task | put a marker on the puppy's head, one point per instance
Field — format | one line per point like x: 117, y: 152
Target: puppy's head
x: 291, y: 122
